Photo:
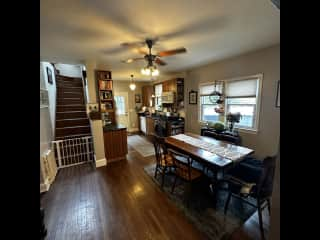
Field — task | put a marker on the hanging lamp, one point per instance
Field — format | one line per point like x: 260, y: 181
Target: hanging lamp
x: 132, y: 85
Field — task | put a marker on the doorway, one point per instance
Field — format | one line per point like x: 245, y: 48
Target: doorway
x: 122, y: 106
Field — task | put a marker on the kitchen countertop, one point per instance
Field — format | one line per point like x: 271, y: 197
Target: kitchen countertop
x: 113, y: 127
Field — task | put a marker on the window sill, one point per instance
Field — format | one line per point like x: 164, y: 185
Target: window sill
x: 244, y: 130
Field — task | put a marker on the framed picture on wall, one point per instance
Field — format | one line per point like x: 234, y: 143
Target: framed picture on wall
x: 278, y: 95
x: 49, y: 74
x: 137, y: 98
x: 193, y: 97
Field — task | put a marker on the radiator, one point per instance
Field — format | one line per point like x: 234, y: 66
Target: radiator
x: 73, y: 151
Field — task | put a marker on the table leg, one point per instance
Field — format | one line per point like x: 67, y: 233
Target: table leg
x: 214, y: 188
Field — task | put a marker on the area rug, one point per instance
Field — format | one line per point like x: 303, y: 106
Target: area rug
x: 141, y: 145
x: 200, y: 212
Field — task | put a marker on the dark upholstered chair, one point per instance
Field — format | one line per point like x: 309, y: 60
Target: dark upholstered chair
x: 252, y: 178
x: 163, y: 160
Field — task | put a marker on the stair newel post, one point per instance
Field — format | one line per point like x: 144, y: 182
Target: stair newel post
x: 87, y: 148
x: 58, y: 152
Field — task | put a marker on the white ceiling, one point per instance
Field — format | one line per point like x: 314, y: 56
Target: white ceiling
x: 76, y: 30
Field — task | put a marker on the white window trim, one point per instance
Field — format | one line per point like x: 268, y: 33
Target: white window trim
x: 258, y: 104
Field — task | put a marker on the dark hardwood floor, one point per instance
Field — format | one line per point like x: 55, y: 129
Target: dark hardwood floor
x: 118, y: 202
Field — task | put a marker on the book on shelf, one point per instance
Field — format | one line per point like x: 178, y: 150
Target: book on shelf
x: 105, y: 85
x: 106, y: 95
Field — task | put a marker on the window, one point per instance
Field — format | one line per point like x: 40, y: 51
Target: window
x: 158, y: 93
x: 242, y: 96
x: 207, y: 104
x: 120, y: 105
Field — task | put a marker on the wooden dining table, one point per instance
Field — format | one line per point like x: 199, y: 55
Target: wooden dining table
x: 214, y: 162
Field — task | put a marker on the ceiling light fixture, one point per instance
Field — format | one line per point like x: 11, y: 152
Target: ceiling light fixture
x: 132, y: 85
x: 150, y: 70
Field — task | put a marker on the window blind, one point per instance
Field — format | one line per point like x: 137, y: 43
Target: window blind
x: 206, y: 90
x: 242, y: 88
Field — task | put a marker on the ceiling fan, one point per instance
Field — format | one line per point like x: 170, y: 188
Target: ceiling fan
x: 148, y: 56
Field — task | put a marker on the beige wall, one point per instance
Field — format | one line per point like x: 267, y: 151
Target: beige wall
x: 123, y: 86
x: 96, y: 125
x: 265, y: 61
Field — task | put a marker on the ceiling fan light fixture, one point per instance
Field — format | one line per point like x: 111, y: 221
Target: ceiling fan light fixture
x: 150, y: 70
x: 155, y: 72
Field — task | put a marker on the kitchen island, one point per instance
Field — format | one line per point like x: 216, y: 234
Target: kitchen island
x: 115, y: 142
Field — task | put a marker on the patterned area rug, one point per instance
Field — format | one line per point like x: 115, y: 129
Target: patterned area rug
x: 141, y: 145
x: 212, y: 222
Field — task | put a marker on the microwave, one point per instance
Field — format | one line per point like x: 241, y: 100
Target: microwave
x: 167, y: 97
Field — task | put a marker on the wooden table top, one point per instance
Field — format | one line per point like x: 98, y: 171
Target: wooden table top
x: 199, y: 153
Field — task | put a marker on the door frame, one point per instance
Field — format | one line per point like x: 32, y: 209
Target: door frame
x: 126, y: 104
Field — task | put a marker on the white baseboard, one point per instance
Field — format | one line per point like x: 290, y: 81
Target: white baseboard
x: 133, y: 129
x: 44, y: 187
x: 101, y: 162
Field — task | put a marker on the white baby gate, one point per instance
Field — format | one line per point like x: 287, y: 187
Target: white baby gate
x: 73, y: 151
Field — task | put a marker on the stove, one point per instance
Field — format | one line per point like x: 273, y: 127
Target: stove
x: 169, y: 125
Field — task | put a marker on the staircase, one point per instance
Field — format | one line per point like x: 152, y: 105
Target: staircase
x: 71, y: 118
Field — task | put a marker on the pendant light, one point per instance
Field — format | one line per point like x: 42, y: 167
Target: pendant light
x: 132, y: 85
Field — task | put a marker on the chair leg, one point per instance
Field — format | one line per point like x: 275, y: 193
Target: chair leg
x: 260, y: 219
x: 174, y: 184
x: 162, y: 181
x: 269, y: 206
x: 155, y: 173
x: 189, y: 193
x: 227, y: 203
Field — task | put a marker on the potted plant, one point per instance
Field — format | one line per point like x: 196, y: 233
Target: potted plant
x: 218, y: 127
x: 233, y: 118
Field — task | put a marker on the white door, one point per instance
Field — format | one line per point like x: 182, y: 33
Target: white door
x: 121, y: 101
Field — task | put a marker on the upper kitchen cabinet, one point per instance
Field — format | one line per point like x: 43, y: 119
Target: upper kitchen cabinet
x: 175, y: 85
x: 147, y: 92
x: 169, y: 86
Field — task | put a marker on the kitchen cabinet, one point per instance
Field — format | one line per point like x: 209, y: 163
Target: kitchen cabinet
x: 147, y: 125
x: 147, y: 92
x: 169, y: 86
x: 115, y: 142
x: 150, y: 126
x: 175, y: 85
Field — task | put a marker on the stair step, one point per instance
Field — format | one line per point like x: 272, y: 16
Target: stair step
x: 70, y: 95
x: 73, y: 136
x: 61, y: 84
x: 65, y: 78
x: 63, y: 108
x: 71, y: 115
x: 69, y: 89
x: 70, y: 101
x: 60, y: 123
x: 62, y: 132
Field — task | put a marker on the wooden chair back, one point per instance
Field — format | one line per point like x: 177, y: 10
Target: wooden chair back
x: 159, y: 148
x: 183, y: 164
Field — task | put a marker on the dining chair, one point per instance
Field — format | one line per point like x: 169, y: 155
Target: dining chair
x: 184, y: 170
x: 163, y: 160
x: 246, y: 181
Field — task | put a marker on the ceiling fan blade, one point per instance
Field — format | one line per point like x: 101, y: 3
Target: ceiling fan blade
x: 141, y: 51
x: 132, y: 44
x: 160, y: 62
x: 130, y: 60
x: 172, y: 52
